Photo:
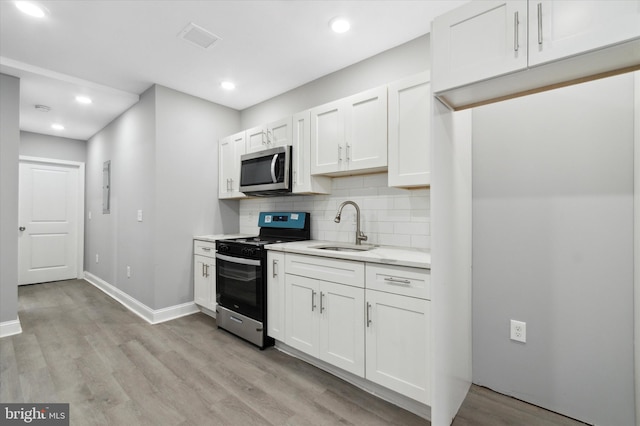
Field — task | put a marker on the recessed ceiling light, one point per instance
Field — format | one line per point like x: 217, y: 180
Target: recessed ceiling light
x: 83, y: 99
x: 339, y: 25
x: 227, y: 85
x: 30, y: 9
x: 57, y: 126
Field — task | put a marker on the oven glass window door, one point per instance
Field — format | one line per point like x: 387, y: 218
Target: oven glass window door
x: 239, y: 285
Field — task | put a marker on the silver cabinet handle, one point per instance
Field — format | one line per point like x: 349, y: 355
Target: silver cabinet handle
x: 203, y: 270
x: 539, y: 23
x: 274, y: 268
x: 295, y: 177
x: 339, y: 153
x: 231, y: 184
x: 313, y: 300
x: 397, y: 281
x: 348, y: 152
x: 368, y: 314
x: 206, y: 248
x: 516, y: 24
x: 232, y: 318
x: 264, y: 140
x: 270, y: 137
x: 321, y: 305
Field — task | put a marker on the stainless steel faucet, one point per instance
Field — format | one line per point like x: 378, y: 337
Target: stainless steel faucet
x: 360, y: 237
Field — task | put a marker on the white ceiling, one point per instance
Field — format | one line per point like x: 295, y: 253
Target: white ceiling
x: 114, y: 50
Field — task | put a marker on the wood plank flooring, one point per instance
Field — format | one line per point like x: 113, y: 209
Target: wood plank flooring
x: 80, y: 346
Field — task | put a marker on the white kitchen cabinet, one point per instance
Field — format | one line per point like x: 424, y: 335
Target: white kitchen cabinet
x: 325, y: 310
x: 303, y: 181
x: 558, y: 29
x: 479, y: 40
x: 268, y: 136
x: 325, y: 320
x: 409, y: 113
x: 204, y: 275
x: 398, y: 340
x: 276, y: 295
x: 480, y: 48
x: 230, y: 150
x: 349, y: 136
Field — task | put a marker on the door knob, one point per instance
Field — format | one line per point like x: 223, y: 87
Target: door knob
x: 22, y: 228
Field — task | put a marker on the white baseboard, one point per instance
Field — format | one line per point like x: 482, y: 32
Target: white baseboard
x: 381, y: 392
x: 9, y: 328
x: 152, y: 316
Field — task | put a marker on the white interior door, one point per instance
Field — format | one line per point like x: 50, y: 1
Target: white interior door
x: 48, y: 244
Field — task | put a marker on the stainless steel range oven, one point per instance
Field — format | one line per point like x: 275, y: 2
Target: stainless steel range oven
x: 241, y: 274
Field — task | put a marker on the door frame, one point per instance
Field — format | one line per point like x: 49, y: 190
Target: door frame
x: 80, y: 231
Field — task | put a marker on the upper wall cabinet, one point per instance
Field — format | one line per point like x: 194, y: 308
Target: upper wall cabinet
x: 303, y: 181
x: 268, y: 136
x: 230, y: 150
x: 479, y: 40
x: 486, y: 51
x: 410, y: 132
x: 349, y: 136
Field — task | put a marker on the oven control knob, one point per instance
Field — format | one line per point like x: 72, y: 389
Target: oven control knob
x: 248, y: 251
x: 223, y: 248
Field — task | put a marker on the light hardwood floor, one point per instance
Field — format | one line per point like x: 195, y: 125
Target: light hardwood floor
x: 80, y: 346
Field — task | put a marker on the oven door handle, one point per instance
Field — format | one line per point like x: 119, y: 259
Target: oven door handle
x: 239, y: 260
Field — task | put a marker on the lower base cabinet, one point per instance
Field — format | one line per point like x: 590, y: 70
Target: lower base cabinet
x: 368, y: 319
x: 325, y: 320
x: 397, y: 350
x: 204, y: 274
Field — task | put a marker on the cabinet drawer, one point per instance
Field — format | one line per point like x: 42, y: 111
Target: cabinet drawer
x: 413, y: 282
x: 204, y: 248
x: 321, y: 268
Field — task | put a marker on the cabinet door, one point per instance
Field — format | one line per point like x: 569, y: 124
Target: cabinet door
x: 303, y: 319
x: 256, y: 139
x: 478, y: 40
x: 342, y: 326
x: 225, y: 168
x: 327, y: 138
x: 231, y: 148
x: 366, y: 130
x: 397, y: 342
x: 279, y: 133
x: 276, y: 301
x: 410, y: 132
x: 559, y: 29
x: 204, y: 282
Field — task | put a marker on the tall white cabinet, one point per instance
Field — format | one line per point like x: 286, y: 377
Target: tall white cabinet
x: 409, y: 129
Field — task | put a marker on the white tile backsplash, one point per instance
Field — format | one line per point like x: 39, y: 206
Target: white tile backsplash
x: 389, y: 216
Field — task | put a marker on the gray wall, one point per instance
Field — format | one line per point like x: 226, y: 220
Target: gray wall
x: 187, y: 187
x: 552, y: 246
x: 46, y: 146
x: 9, y: 146
x: 163, y: 154
x: 394, y: 64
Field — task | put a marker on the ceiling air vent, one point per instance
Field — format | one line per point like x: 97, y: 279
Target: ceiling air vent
x: 198, y: 36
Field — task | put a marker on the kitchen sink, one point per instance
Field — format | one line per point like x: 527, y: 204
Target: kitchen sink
x: 344, y: 247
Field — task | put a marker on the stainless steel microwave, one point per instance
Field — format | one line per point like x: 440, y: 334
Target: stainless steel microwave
x: 266, y: 172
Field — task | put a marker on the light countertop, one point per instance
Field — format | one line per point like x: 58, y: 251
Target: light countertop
x: 388, y: 255
x: 214, y: 238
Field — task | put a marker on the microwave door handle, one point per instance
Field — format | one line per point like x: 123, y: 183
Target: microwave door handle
x: 274, y: 161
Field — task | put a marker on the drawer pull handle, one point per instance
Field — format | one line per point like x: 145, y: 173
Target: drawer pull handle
x: 540, y: 23
x: 368, y: 314
x: 397, y: 281
x: 313, y: 300
x: 206, y: 248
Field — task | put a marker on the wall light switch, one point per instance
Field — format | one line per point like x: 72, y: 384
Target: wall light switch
x: 139, y: 215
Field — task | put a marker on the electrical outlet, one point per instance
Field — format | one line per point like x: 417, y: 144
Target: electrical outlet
x: 97, y: 258
x: 519, y: 331
x: 139, y: 215
x: 128, y: 271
